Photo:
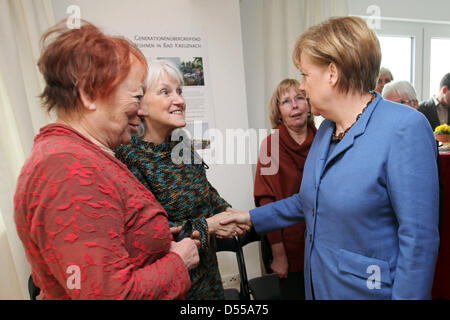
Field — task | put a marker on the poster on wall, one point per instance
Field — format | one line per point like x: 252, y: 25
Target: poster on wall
x: 188, y: 50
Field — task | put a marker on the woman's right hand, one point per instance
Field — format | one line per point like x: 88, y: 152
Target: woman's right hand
x: 280, y: 263
x: 238, y: 217
x: 225, y: 231
x: 187, y: 250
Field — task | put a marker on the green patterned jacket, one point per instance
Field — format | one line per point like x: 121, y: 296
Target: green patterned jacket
x: 186, y: 194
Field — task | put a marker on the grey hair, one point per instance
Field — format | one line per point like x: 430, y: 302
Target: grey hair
x: 401, y: 87
x: 155, y: 70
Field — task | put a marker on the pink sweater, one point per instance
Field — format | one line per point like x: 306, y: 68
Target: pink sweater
x: 90, y: 229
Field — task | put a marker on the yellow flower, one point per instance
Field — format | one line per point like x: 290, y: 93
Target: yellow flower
x: 442, y: 129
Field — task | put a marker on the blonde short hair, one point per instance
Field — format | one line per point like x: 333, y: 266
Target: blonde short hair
x: 350, y: 44
x: 274, y: 106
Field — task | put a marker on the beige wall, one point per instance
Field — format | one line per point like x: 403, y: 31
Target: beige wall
x: 221, y: 22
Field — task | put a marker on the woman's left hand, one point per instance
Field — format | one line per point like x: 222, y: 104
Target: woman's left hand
x: 176, y: 230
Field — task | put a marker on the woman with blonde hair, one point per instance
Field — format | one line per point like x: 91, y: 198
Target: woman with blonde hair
x: 369, y: 193
x: 384, y: 77
x: 289, y: 114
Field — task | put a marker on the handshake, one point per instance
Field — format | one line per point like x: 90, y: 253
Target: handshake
x: 227, y: 224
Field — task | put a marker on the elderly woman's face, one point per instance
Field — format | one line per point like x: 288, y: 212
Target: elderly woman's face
x: 293, y: 109
x: 165, y: 104
x: 118, y: 115
x: 382, y: 81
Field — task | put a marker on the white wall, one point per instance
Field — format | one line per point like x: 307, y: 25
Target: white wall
x: 437, y: 10
x: 9, y: 271
x: 253, y: 45
x: 221, y: 22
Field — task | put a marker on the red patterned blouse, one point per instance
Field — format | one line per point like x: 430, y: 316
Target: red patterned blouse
x: 90, y: 229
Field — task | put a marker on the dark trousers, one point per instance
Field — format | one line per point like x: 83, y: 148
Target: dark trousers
x: 293, y: 287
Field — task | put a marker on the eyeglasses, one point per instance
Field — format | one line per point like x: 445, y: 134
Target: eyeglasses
x: 409, y: 102
x: 296, y: 100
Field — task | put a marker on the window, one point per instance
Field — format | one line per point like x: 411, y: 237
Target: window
x: 394, y: 47
x: 436, y: 65
x: 400, y: 43
x: 439, y: 62
x: 416, y: 51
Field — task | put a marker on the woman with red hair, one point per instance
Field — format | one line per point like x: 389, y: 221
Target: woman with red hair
x: 90, y: 229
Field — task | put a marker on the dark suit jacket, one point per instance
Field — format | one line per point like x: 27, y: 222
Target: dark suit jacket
x: 428, y: 108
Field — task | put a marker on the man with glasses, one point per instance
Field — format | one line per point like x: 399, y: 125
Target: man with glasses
x: 401, y: 92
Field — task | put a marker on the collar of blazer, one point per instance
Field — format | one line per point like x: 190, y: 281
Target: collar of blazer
x: 347, y: 142
x: 435, y: 101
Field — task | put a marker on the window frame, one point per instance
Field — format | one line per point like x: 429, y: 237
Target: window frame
x: 422, y: 31
x: 414, y: 31
x: 432, y: 31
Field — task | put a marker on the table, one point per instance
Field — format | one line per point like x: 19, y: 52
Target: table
x: 441, y: 285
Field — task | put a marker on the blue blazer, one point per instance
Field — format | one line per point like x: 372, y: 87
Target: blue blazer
x: 370, y: 206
